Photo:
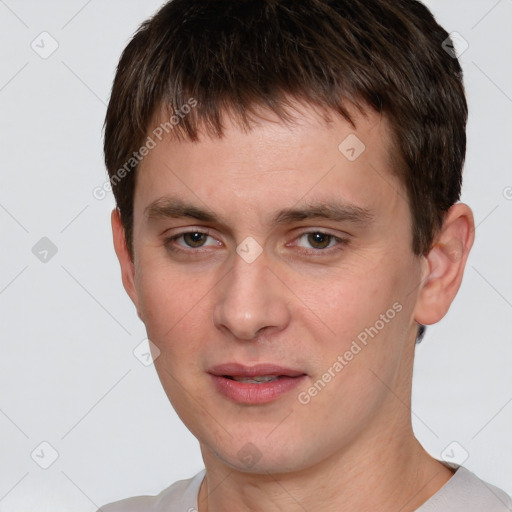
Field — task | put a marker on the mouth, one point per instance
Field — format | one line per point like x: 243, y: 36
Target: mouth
x: 255, y: 384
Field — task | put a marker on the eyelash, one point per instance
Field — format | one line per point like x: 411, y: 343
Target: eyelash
x: 341, y: 243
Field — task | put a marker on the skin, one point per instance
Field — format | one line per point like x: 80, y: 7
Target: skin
x: 351, y: 447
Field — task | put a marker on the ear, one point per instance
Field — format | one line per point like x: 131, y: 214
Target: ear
x: 445, y: 265
x: 125, y: 260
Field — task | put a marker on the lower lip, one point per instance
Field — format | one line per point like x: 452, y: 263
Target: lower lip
x: 248, y: 393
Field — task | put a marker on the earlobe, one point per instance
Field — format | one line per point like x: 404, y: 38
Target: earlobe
x: 445, y: 265
x: 125, y: 260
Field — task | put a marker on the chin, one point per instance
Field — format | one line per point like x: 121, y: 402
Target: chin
x: 262, y: 454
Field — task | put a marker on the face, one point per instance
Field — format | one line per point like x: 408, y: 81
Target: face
x: 284, y: 251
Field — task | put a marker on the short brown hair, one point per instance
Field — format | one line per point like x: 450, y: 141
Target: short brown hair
x: 238, y: 55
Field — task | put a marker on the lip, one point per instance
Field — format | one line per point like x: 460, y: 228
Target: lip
x: 252, y: 393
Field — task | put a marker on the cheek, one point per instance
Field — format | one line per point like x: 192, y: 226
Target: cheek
x: 363, y: 351
x: 172, y: 306
x: 364, y: 318
x: 349, y: 302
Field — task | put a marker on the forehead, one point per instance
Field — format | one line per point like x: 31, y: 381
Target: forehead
x: 296, y: 120
x: 276, y: 163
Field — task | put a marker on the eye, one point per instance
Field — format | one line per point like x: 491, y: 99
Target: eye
x: 190, y: 239
x: 320, y: 242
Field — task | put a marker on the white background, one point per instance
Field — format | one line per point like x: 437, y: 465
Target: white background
x: 67, y: 372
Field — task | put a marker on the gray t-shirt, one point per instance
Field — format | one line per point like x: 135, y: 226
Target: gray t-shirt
x: 464, y: 492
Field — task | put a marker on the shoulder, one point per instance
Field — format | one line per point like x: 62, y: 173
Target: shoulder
x: 465, y: 491
x: 181, y: 495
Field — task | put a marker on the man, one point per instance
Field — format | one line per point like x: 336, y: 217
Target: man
x: 286, y: 175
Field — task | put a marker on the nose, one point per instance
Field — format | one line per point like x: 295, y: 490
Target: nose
x: 251, y: 300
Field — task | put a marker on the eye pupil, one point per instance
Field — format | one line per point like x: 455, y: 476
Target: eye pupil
x: 194, y: 239
x: 319, y: 240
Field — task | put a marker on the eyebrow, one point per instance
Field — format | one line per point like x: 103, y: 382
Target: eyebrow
x: 335, y: 211
x: 175, y: 208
